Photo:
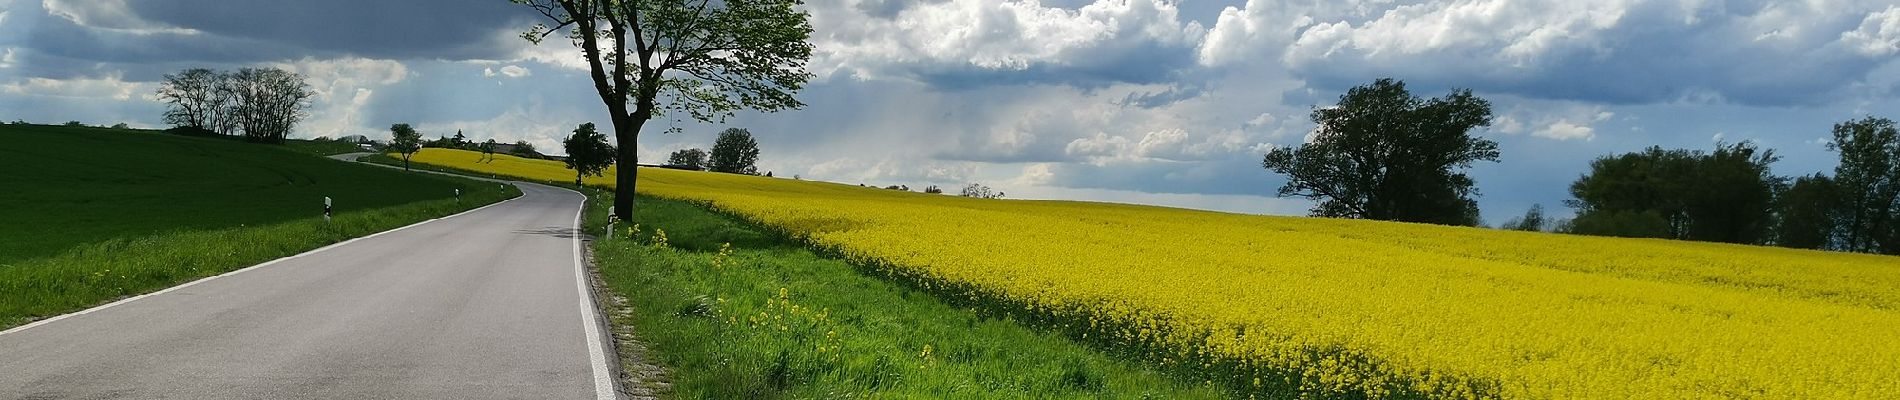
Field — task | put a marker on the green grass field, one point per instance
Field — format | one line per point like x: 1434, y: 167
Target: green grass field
x: 69, y: 186
x: 91, y: 214
x: 768, y: 318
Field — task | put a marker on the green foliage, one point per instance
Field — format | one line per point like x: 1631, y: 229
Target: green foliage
x: 704, y: 58
x: 735, y: 311
x: 1868, y: 181
x: 1724, y: 196
x: 587, y: 152
x: 688, y: 158
x: 1623, y: 223
x: 734, y: 152
x: 74, y: 124
x: 406, y: 141
x: 1532, y: 221
x: 525, y: 149
x: 1809, y: 210
x: 488, y: 150
x: 139, y: 212
x: 1385, y: 154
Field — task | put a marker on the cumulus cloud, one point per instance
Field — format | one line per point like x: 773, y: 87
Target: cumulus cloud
x: 1878, y: 34
x: 511, y: 71
x: 1613, y: 51
x: 1563, y: 129
x: 893, y: 171
x: 961, y: 43
x: 344, y: 89
x: 111, y: 87
x: 1553, y: 120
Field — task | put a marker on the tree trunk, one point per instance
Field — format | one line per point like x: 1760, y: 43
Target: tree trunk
x: 627, y: 133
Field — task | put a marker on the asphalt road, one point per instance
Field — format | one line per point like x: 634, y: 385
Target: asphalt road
x: 487, y: 304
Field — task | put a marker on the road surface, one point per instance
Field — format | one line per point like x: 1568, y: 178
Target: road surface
x: 487, y: 304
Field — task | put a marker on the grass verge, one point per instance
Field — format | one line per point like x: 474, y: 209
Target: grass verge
x: 736, y: 311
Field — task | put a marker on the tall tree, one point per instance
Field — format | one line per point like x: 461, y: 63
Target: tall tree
x: 190, y: 96
x: 734, y: 152
x: 269, y: 102
x: 704, y: 58
x: 488, y: 150
x: 692, y: 158
x: 1867, y: 183
x: 588, y: 152
x: 1808, y: 212
x: 406, y: 141
x: 200, y: 98
x: 1385, y: 154
x: 1724, y: 196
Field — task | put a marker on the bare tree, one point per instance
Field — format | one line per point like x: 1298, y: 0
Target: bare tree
x: 191, y: 97
x: 268, y: 102
x: 706, y: 58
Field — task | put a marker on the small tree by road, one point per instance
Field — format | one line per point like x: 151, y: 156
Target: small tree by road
x: 587, y: 152
x: 406, y: 141
x: 735, y: 152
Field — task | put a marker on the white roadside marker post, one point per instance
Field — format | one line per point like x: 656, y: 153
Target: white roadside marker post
x: 326, y: 209
x: 458, y: 196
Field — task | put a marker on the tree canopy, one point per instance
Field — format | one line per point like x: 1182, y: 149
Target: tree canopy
x: 1724, y: 196
x: 263, y: 103
x: 1385, y: 154
x: 735, y: 152
x: 587, y: 152
x: 405, y: 141
x: 704, y: 59
x: 689, y: 158
x: 1868, y: 183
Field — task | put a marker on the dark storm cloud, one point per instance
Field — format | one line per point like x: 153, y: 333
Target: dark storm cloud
x: 157, y: 35
x: 1145, y: 62
x: 444, y: 29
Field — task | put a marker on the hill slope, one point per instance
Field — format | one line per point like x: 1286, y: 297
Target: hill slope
x: 66, y: 186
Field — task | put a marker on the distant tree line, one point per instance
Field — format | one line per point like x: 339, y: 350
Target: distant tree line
x: 734, y: 152
x: 1729, y: 195
x: 521, y: 148
x: 262, y: 104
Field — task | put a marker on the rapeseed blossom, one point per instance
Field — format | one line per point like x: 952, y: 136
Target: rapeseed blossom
x: 1328, y: 307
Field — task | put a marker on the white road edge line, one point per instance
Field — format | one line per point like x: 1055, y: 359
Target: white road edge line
x: 265, y: 264
x: 603, y: 383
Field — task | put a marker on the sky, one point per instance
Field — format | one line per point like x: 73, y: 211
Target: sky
x: 1140, y: 101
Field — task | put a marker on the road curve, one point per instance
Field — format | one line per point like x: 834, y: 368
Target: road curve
x: 487, y: 304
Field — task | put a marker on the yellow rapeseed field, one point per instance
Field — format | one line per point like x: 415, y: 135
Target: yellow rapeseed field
x: 1326, y: 306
